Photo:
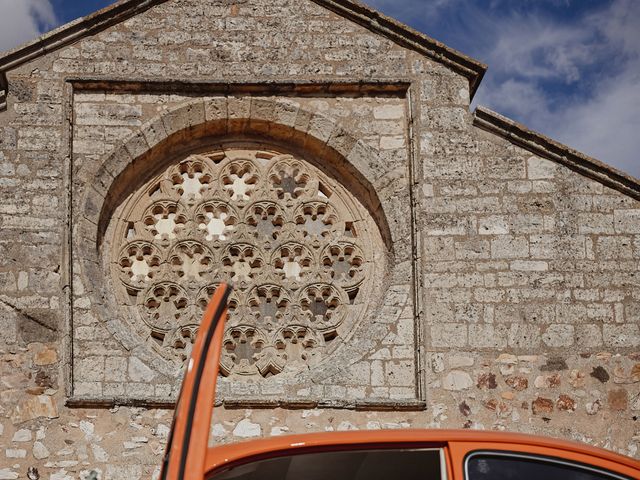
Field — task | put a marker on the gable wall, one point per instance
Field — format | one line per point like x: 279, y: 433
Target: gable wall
x: 530, y: 291
x: 529, y: 299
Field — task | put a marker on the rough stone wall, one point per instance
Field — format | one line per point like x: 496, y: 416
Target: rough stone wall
x: 528, y: 301
x: 530, y: 278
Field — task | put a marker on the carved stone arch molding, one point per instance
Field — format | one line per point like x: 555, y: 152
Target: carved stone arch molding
x: 284, y: 203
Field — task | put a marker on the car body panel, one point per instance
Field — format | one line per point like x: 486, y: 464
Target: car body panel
x: 187, y: 444
x: 458, y: 444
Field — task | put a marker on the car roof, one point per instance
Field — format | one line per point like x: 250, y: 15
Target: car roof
x: 231, y: 453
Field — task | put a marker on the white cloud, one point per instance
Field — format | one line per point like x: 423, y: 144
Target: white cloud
x: 24, y: 20
x: 607, y: 125
x: 598, y: 58
x: 518, y: 97
x: 531, y: 47
x: 621, y: 26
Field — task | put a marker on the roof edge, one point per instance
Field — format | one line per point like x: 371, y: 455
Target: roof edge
x: 4, y: 89
x: 550, y: 149
x: 355, y: 11
x: 408, y: 37
x: 66, y: 34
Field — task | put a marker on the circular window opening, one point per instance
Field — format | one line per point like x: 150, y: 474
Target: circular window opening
x: 297, y: 246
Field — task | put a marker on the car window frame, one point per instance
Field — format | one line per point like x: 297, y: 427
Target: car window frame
x: 543, y: 458
x: 444, y: 455
x: 187, y: 444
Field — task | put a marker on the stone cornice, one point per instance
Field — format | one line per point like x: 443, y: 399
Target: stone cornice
x: 4, y: 87
x: 380, y: 404
x: 550, y: 149
x: 380, y: 87
x: 354, y: 11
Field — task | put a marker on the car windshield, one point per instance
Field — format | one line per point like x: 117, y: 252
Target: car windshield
x: 423, y: 464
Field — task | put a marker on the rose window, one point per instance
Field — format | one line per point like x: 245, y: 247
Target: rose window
x: 291, y: 240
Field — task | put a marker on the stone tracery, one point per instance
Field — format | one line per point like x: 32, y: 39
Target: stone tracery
x: 276, y: 227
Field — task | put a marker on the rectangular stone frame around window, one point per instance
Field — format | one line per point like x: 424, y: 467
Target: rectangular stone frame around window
x: 79, y: 389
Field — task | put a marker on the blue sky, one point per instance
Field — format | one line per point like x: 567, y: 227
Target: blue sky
x: 567, y: 68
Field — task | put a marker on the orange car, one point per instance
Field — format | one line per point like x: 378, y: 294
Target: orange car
x: 361, y: 455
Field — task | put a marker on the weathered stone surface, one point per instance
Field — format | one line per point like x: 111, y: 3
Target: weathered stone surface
x: 554, y: 364
x: 618, y: 400
x: 245, y: 429
x: 45, y: 356
x: 487, y: 381
x: 15, y: 453
x: 524, y: 271
x: 457, y: 380
x: 40, y: 452
x: 517, y: 382
x: 22, y: 435
x: 547, y: 381
x: 600, y: 373
x: 593, y: 407
x: 464, y: 409
x: 34, y: 406
x: 542, y: 406
x: 566, y: 403
x: 8, y: 474
x: 138, y: 371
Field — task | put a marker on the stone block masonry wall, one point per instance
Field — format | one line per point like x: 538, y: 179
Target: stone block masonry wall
x: 527, y: 307
x: 530, y: 278
x: 527, y: 393
x: 546, y: 248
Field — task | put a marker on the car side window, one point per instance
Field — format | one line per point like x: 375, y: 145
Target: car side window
x: 374, y: 464
x: 499, y: 466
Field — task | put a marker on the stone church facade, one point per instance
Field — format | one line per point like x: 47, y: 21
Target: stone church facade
x: 398, y: 261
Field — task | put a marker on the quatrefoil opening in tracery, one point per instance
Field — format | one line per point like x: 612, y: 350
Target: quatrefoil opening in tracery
x: 277, y: 227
